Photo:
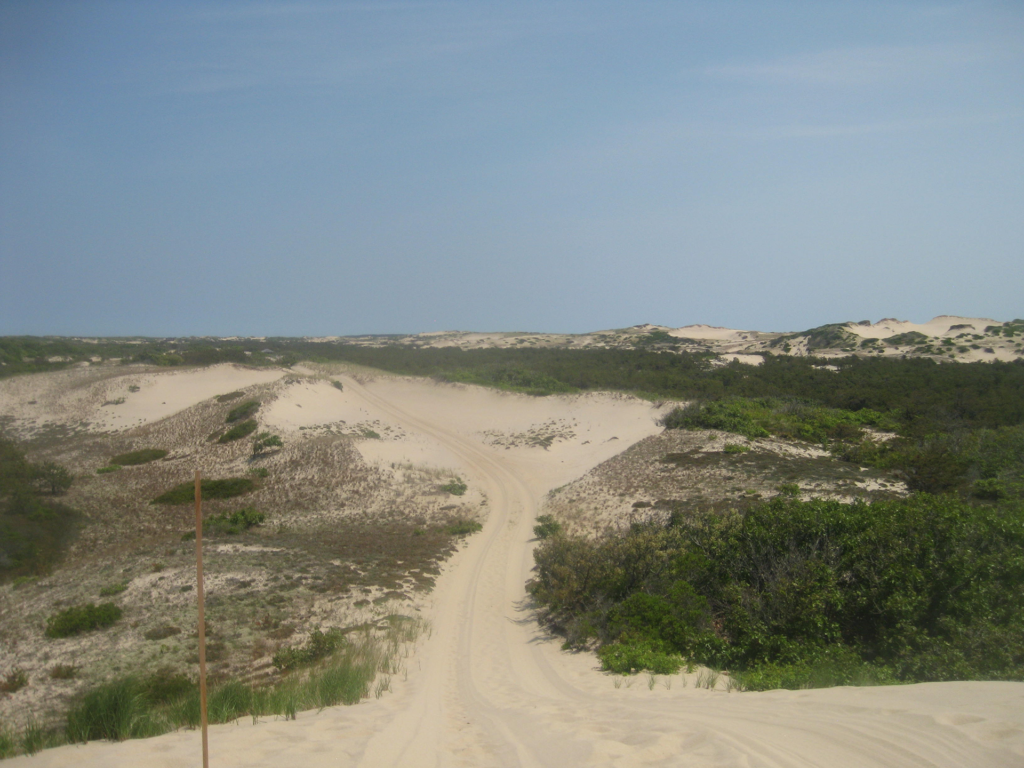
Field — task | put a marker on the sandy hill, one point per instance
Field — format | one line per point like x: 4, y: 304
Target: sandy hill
x: 356, y: 535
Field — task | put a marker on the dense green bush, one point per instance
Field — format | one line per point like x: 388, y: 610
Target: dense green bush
x: 142, y: 456
x: 455, y: 487
x: 761, y: 417
x: 462, y: 527
x: 235, y: 523
x: 237, y: 432
x: 82, y: 618
x: 546, y: 527
x: 243, y: 411
x: 926, y: 588
x: 211, y: 489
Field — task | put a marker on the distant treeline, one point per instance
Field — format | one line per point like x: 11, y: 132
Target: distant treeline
x: 927, y: 396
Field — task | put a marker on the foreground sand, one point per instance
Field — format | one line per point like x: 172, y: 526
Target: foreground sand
x: 488, y: 688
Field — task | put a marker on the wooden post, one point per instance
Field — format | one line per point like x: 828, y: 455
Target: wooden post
x: 202, y: 618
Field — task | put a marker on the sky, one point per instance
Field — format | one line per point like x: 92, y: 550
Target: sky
x: 340, y: 168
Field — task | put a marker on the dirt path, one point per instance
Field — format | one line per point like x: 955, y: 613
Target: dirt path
x: 488, y: 689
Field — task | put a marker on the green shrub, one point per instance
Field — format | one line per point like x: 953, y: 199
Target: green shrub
x: 113, y: 589
x: 236, y: 522
x: 319, y: 646
x: 636, y: 655
x: 462, y: 527
x: 211, y: 489
x: 82, y: 618
x: 788, y: 489
x: 260, y: 472
x: 455, y: 487
x: 831, y: 667
x: 920, y: 589
x: 237, y: 432
x: 263, y: 441
x: 133, y: 458
x: 243, y: 411
x: 546, y: 527
x: 733, y: 448
x: 107, y: 470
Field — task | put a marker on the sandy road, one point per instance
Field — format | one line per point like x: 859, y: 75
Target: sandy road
x: 494, y: 692
x: 487, y: 688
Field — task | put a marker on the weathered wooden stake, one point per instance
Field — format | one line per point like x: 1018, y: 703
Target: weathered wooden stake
x: 202, y: 618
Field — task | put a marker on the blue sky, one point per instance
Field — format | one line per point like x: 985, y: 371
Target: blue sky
x: 308, y: 168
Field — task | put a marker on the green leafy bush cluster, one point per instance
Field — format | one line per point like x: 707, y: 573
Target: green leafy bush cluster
x: 762, y: 417
x: 455, y: 487
x: 82, y: 618
x: 236, y: 522
x: 926, y: 588
x: 108, y: 469
x: 211, y: 489
x: 546, y: 527
x: 133, y: 458
x: 242, y: 411
x: 237, y: 432
x: 631, y: 656
x: 319, y: 646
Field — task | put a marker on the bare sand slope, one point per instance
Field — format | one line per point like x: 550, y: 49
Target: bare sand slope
x: 487, y: 688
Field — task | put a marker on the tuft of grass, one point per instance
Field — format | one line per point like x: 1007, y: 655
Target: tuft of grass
x: 14, y: 681
x: 82, y: 618
x: 455, y: 487
x: 243, y: 411
x: 320, y: 645
x: 733, y: 448
x: 212, y: 489
x: 64, y: 672
x: 134, y: 458
x: 260, y: 472
x: 113, y: 589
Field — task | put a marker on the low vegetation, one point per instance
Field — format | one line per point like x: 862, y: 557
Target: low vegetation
x: 34, y: 530
x: 237, y: 432
x: 82, y: 618
x: 801, y: 593
x: 332, y: 668
x: 211, y: 489
x: 229, y: 524
x: 243, y: 411
x: 134, y: 458
x: 455, y: 487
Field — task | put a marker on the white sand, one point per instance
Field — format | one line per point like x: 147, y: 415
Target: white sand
x: 488, y: 688
x: 938, y: 327
x: 91, y: 395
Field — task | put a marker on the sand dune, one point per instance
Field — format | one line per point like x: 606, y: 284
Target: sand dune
x: 488, y: 688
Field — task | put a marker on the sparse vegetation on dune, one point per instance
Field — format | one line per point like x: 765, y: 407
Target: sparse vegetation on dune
x: 332, y: 668
x: 34, y: 531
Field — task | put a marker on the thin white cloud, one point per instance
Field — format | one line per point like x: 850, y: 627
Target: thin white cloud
x: 856, y: 66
